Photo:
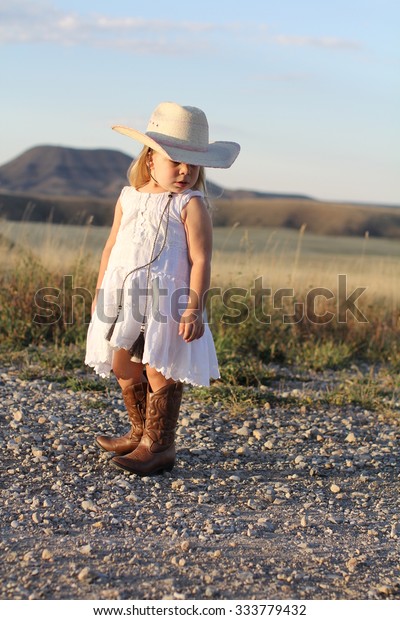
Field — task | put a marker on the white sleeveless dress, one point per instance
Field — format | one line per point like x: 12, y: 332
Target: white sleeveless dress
x: 165, y: 350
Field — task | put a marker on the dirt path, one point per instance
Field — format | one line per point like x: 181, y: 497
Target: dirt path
x: 286, y: 501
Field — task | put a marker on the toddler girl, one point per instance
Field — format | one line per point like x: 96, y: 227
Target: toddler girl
x: 148, y: 323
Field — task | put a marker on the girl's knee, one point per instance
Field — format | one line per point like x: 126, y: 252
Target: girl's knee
x: 157, y: 379
x: 118, y: 369
x: 152, y: 373
x: 122, y: 366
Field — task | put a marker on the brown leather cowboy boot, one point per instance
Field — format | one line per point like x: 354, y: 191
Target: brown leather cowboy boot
x: 156, y: 450
x: 135, y: 402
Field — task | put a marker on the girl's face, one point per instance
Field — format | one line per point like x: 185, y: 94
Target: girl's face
x: 171, y: 176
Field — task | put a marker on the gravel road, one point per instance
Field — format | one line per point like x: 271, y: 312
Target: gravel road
x: 285, y: 501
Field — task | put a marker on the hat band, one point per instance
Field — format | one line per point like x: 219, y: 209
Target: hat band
x: 174, y: 145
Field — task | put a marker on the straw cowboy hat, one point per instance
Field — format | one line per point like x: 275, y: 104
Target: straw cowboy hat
x: 181, y: 133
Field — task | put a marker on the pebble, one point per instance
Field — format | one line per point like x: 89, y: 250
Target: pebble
x: 177, y: 484
x: 235, y: 478
x: 245, y: 482
x: 185, y: 546
x: 47, y: 555
x: 89, y: 505
x: 352, y: 564
x: 85, y: 574
x: 270, y: 495
x: 243, y: 431
x: 252, y: 504
x: 86, y: 549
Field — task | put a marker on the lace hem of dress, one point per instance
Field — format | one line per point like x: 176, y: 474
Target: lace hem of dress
x: 102, y: 368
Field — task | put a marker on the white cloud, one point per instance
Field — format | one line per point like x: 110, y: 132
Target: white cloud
x: 326, y: 42
x: 40, y: 22
x: 24, y: 22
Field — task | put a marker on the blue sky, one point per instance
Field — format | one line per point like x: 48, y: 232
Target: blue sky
x: 310, y: 89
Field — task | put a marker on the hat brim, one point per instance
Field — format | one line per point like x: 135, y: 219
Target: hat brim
x: 218, y: 154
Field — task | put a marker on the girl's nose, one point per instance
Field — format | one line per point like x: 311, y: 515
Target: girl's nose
x: 184, y: 168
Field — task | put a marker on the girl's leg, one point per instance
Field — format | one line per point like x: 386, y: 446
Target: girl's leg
x: 134, y: 392
x: 156, y: 379
x: 127, y: 372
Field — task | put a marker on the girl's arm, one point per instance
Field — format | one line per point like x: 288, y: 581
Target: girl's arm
x: 107, y: 250
x: 198, y: 229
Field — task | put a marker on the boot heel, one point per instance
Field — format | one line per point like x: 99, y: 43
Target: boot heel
x: 161, y: 471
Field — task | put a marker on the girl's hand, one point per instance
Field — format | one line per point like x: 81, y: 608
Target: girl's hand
x: 191, y: 326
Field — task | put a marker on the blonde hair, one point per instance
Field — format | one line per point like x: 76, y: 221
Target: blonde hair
x: 139, y: 175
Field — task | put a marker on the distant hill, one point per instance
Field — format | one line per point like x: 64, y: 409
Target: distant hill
x: 56, y: 170
x: 77, y: 186
x: 98, y: 173
x: 322, y: 218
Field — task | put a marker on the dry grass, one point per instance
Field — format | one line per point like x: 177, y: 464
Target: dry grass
x: 39, y: 255
x: 284, y: 258
x: 304, y: 261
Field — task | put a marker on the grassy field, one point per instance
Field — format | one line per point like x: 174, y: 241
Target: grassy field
x: 283, y: 257
x: 333, y: 302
